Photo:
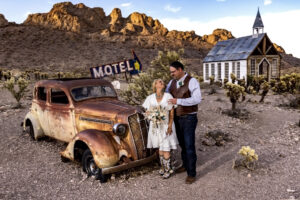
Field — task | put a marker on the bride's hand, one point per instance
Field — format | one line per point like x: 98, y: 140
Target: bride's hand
x: 169, y: 131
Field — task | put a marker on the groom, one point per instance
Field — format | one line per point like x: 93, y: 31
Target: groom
x: 187, y: 96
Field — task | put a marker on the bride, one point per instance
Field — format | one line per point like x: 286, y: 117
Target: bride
x: 162, y: 133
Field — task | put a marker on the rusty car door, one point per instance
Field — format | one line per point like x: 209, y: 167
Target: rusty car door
x: 39, y: 107
x: 60, y: 116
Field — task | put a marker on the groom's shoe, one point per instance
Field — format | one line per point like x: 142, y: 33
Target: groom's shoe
x: 190, y: 179
x: 180, y: 169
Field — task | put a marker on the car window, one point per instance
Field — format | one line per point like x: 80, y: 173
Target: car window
x: 41, y: 93
x: 89, y: 92
x: 58, y: 96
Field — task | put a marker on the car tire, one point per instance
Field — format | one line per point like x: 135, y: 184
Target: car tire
x: 31, y: 131
x: 89, y: 166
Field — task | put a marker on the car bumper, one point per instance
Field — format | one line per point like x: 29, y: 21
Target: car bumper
x: 114, y: 169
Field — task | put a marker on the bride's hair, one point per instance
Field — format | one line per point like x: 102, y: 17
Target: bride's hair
x: 154, y: 83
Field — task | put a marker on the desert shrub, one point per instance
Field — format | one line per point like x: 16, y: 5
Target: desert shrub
x: 141, y: 85
x: 234, y: 92
x: 265, y: 86
x: 6, y: 75
x: 211, y: 80
x: 233, y: 77
x: 17, y: 94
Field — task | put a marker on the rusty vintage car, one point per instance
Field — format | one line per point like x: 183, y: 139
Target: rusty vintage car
x: 103, y: 133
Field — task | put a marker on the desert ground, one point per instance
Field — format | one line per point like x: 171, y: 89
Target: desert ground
x: 33, y: 169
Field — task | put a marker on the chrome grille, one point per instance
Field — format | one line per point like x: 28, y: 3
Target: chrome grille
x: 139, y: 131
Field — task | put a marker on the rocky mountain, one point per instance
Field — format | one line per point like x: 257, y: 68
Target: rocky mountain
x: 3, y: 21
x: 75, y: 37
x: 218, y: 35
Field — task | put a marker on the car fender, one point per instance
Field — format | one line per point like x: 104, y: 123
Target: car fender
x: 38, y: 131
x: 100, y: 144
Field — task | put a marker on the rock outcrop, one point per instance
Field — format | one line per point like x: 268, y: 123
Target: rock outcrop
x: 81, y: 19
x: 217, y: 35
x: 3, y: 21
x: 66, y: 16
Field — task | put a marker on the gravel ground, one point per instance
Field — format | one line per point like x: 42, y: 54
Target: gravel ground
x: 33, y: 169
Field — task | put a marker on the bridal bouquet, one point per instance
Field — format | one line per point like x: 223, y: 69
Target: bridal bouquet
x: 156, y: 114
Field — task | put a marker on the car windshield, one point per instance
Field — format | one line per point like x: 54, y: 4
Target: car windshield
x: 90, y: 92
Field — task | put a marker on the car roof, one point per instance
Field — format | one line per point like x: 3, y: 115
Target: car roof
x: 70, y: 83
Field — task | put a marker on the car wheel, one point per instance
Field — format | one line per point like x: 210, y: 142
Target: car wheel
x: 31, y: 131
x: 89, y: 166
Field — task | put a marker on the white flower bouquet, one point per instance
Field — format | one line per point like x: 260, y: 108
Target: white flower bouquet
x: 156, y: 114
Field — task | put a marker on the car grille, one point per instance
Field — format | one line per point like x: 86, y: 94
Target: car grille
x: 139, y: 131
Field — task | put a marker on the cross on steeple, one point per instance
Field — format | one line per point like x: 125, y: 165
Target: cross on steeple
x: 258, y: 24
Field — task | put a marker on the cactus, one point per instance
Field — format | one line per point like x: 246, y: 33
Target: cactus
x: 233, y: 77
x: 22, y: 86
x: 234, y: 92
x: 265, y: 86
x: 141, y: 86
x: 211, y: 80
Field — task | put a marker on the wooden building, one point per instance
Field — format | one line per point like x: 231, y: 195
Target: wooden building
x: 250, y: 55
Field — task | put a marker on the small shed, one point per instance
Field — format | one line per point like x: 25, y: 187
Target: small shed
x: 250, y: 55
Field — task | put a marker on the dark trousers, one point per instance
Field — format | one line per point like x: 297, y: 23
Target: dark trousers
x: 185, y: 130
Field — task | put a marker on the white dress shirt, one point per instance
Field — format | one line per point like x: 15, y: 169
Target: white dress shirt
x: 194, y: 88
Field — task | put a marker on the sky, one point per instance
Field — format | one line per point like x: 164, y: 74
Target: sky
x: 280, y: 17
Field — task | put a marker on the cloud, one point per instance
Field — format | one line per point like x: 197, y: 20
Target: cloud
x: 172, y: 9
x: 267, y: 2
x: 126, y: 4
x: 280, y: 27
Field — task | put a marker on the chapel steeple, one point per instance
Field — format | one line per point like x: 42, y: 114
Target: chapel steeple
x: 258, y: 26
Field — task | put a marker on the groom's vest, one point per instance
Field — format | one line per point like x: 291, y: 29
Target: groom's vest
x: 182, y: 93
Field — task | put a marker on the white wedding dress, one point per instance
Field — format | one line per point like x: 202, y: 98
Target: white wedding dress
x: 157, y: 137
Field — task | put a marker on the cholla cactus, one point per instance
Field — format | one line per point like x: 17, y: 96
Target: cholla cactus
x: 211, y: 80
x: 257, y: 81
x: 22, y: 86
x: 234, y: 92
x: 225, y: 81
x: 233, y: 77
x: 280, y: 87
x: 249, y: 155
x: 265, y: 86
x: 199, y: 78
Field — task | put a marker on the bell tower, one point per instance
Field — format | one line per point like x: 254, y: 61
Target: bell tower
x: 258, y: 26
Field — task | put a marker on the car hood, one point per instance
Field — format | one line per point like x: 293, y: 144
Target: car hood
x: 108, y: 109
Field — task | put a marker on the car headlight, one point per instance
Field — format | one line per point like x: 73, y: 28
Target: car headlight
x: 120, y: 130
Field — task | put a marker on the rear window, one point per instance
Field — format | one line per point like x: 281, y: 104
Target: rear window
x: 58, y: 96
x: 41, y: 93
x: 90, y: 92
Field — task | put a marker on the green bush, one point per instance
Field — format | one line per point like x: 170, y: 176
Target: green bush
x: 141, y: 85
